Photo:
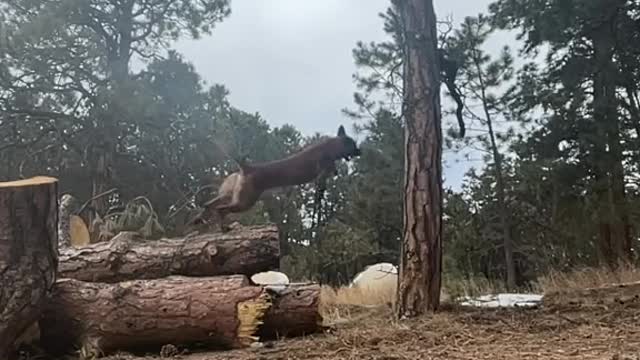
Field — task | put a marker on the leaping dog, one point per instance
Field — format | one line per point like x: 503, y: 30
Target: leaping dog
x: 242, y: 189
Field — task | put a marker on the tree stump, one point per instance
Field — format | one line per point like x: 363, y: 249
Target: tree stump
x: 144, y: 315
x: 243, y: 251
x: 28, y: 254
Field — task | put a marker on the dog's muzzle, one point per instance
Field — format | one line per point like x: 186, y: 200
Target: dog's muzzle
x: 356, y: 152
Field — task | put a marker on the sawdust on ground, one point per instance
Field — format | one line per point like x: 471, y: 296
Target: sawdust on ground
x: 459, y: 333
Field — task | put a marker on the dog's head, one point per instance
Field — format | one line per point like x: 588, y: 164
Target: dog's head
x: 349, y: 146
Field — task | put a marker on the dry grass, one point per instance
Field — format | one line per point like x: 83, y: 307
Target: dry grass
x: 345, y: 304
x: 473, y: 286
x: 366, y: 296
x: 385, y: 294
x: 587, y: 278
x: 365, y: 328
x: 457, y: 333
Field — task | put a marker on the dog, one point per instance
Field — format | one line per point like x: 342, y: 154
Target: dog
x: 242, y: 189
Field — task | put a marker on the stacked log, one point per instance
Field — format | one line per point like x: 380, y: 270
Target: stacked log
x: 127, y: 256
x: 133, y: 294
x: 219, y: 312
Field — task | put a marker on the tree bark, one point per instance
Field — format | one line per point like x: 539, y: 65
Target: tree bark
x: 244, y: 250
x: 420, y: 265
x: 294, y: 311
x: 143, y: 315
x: 28, y: 254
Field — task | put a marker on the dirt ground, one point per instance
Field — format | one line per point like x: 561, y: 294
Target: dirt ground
x: 460, y: 333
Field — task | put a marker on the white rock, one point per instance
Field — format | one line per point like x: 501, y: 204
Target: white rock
x: 274, y: 279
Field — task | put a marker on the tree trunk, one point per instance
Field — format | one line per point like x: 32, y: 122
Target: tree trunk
x: 143, y: 315
x: 244, y: 250
x: 505, y: 223
x: 615, y: 241
x: 28, y: 256
x: 420, y: 265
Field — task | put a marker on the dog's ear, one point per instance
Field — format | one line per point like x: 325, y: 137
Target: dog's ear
x: 341, y: 131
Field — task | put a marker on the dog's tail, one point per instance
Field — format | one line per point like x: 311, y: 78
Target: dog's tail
x: 242, y: 164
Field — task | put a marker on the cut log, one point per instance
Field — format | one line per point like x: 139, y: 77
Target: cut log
x: 28, y: 254
x: 294, y: 311
x: 144, y: 315
x: 623, y: 294
x: 242, y: 251
x: 221, y: 312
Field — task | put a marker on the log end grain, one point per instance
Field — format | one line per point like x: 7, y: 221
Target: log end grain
x: 250, y: 316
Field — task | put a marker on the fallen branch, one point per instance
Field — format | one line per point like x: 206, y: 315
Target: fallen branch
x: 622, y: 294
x: 96, y: 197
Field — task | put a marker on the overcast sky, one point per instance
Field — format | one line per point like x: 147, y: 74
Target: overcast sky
x: 291, y: 60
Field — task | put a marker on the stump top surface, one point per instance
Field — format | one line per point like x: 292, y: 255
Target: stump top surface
x: 36, y: 180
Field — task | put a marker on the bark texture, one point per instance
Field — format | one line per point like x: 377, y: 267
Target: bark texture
x: 28, y: 254
x: 293, y: 311
x: 244, y: 251
x: 143, y: 315
x: 420, y: 265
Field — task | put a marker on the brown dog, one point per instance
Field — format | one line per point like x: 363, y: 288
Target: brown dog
x: 242, y: 189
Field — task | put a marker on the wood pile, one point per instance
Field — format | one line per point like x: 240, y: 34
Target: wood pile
x: 134, y: 294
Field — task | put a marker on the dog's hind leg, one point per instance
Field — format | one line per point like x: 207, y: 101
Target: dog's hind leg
x: 209, y: 211
x: 215, y: 201
x: 237, y: 205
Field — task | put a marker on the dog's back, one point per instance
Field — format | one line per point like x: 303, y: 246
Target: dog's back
x: 298, y: 168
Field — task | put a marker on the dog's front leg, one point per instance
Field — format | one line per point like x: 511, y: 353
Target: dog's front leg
x: 326, y: 168
x: 331, y: 169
